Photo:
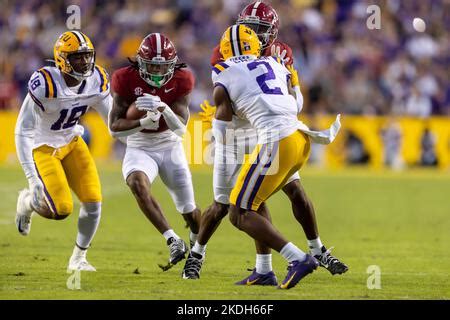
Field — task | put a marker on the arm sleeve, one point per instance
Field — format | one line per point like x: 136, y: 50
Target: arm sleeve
x: 298, y: 98
x: 173, y: 121
x: 24, y: 136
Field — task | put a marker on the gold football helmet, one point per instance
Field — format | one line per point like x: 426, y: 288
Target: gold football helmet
x: 74, y: 42
x: 239, y: 40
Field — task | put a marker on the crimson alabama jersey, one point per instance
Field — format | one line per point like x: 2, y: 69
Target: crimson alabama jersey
x: 128, y: 84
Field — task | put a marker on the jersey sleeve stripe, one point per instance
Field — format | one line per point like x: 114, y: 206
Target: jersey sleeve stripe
x: 219, y: 67
x: 45, y: 82
x: 103, y: 78
x: 36, y: 100
x: 223, y: 64
x: 50, y: 87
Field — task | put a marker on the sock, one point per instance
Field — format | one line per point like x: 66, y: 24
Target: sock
x: 291, y: 253
x: 170, y: 234
x: 193, y: 237
x: 199, y: 249
x: 315, y: 246
x: 263, y: 263
x: 88, y: 221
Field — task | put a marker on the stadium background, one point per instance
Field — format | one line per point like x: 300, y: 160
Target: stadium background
x: 390, y: 85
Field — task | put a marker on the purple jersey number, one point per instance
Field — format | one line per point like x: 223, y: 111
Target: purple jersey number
x: 261, y: 79
x: 75, y: 115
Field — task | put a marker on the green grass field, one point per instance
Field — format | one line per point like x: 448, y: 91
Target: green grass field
x: 397, y: 221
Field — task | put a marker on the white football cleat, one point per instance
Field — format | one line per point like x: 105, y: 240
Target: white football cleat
x: 78, y: 261
x: 23, y: 212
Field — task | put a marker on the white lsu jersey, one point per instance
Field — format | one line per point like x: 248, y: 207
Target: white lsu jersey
x: 259, y: 92
x: 58, y: 108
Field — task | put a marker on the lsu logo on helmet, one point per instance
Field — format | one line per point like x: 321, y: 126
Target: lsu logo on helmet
x: 239, y: 40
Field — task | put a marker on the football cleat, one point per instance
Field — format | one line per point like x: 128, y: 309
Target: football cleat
x: 23, y: 214
x: 331, y: 263
x: 78, y: 261
x: 192, y: 267
x: 297, y: 270
x: 177, y: 248
x: 257, y: 279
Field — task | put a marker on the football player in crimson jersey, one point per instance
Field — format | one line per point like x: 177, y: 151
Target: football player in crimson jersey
x: 263, y: 19
x: 160, y: 89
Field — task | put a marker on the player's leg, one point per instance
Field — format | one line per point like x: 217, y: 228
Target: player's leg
x: 57, y: 203
x: 175, y: 174
x: 272, y: 164
x: 303, y: 210
x: 140, y: 169
x: 83, y: 178
x: 263, y: 273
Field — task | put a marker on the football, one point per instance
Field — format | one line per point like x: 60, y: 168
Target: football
x: 133, y: 113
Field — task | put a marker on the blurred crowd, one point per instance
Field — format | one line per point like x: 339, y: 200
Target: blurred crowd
x: 344, y: 67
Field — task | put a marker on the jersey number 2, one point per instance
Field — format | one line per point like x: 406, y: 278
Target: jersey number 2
x: 75, y: 115
x: 261, y: 79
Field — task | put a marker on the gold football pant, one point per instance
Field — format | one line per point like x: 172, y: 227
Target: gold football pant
x: 65, y: 168
x: 269, y: 167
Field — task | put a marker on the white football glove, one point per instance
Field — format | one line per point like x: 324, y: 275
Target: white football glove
x: 151, y: 121
x: 37, y: 192
x: 276, y: 51
x: 149, y: 102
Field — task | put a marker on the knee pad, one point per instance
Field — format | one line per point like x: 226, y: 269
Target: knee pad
x: 92, y: 209
x: 185, y: 207
x: 63, y: 209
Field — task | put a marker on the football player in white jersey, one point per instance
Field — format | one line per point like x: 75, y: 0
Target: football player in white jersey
x: 49, y: 146
x: 256, y: 89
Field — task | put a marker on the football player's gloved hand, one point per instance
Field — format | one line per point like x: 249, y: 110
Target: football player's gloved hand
x: 148, y: 102
x: 151, y: 121
x: 37, y: 192
x: 208, y: 111
x: 275, y: 50
x: 294, y: 76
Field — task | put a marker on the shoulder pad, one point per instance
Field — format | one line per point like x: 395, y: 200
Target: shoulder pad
x: 42, y: 85
x: 103, y: 78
